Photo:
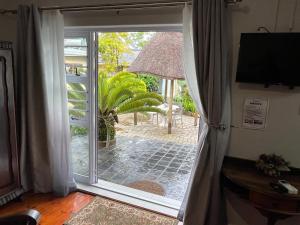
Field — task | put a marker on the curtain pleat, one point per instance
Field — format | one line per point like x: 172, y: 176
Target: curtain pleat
x: 41, y: 97
x: 31, y: 106
x: 56, y: 92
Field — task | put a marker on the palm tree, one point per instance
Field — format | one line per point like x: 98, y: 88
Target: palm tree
x: 120, y: 94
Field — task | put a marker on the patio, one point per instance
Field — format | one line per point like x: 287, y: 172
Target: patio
x: 185, y: 133
x: 145, y: 152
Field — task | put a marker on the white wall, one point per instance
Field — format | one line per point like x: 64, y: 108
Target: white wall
x: 282, y: 135
x: 93, y: 18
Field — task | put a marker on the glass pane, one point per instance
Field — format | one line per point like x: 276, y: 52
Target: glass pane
x: 76, y: 95
x: 76, y: 60
x: 76, y: 91
x: 80, y: 150
x: 77, y: 114
x: 75, y: 69
x: 76, y: 87
x: 78, y: 41
x: 75, y: 104
x: 75, y: 51
x: 77, y: 101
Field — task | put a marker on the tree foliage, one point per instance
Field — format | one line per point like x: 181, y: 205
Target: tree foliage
x: 152, y: 82
x: 116, y: 47
x: 184, y: 98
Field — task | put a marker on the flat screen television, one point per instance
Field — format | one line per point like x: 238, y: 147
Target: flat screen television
x: 269, y: 59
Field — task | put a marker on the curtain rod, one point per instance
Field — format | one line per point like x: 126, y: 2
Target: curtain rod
x: 101, y: 7
x: 115, y: 7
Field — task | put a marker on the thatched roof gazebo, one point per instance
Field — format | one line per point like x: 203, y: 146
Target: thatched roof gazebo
x: 162, y: 57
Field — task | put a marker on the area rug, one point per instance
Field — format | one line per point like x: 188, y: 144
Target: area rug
x: 102, y: 211
x: 148, y: 186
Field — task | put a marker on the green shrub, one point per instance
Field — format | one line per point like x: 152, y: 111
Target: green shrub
x: 152, y: 82
x: 78, y: 131
x: 178, y: 99
x: 188, y: 104
x: 184, y: 99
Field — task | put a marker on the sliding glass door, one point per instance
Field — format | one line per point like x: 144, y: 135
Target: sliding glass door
x: 139, y: 159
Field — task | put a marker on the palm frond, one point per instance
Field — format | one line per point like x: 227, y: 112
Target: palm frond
x: 120, y: 100
x: 144, y: 109
x: 137, y: 103
x: 115, y: 94
x: 121, y: 77
x: 125, y: 92
x: 152, y: 95
x: 103, y: 90
x: 127, y: 105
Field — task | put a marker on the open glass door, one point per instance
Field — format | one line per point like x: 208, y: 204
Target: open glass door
x: 80, y: 73
x: 141, y: 162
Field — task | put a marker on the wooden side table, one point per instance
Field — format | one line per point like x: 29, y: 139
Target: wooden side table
x: 241, y: 177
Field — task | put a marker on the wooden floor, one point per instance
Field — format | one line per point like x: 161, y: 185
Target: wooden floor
x: 54, y: 210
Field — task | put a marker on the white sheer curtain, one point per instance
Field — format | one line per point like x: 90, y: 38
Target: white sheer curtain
x: 189, y: 58
x: 191, y: 78
x: 206, y: 72
x: 56, y: 94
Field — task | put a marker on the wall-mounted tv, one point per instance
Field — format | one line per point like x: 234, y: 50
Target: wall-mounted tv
x: 269, y: 59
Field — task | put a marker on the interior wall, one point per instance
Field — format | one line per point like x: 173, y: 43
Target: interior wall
x: 281, y: 135
x: 170, y: 15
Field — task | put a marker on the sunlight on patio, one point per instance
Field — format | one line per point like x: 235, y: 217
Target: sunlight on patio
x: 147, y: 127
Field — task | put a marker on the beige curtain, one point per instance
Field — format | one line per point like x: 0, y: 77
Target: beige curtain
x: 31, y: 103
x: 43, y: 125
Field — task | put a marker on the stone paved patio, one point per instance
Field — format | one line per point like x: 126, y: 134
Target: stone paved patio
x: 134, y: 159
x: 185, y: 133
x: 144, y: 152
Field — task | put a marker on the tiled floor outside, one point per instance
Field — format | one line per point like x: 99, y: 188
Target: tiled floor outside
x: 147, y: 127
x: 144, y: 152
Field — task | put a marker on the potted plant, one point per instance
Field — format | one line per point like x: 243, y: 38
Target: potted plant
x: 120, y: 94
x: 272, y: 165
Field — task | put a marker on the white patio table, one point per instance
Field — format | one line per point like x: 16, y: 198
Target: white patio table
x: 165, y: 107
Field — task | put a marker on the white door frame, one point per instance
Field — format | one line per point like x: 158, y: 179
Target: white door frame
x: 90, y: 81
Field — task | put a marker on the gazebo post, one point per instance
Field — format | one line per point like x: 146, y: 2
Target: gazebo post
x: 162, y: 57
x: 135, y: 118
x: 166, y: 90
x: 170, y: 108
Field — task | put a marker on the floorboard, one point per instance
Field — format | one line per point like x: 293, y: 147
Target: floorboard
x: 54, y: 210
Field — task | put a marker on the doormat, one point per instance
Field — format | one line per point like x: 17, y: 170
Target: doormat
x: 102, y: 211
x: 148, y: 186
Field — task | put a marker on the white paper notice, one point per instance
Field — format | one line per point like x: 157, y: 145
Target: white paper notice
x: 255, y: 113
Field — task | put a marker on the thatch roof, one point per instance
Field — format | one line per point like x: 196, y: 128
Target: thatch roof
x: 162, y: 56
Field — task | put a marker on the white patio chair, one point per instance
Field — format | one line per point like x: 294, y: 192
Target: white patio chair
x: 177, y: 116
x: 153, y: 115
